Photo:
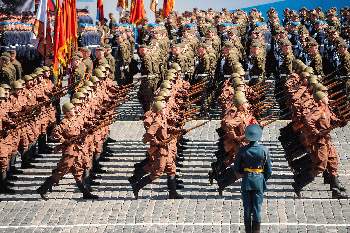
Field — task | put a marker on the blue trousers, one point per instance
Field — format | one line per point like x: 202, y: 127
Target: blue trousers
x: 252, y: 201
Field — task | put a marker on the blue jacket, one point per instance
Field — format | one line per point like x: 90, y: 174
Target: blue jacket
x: 253, y: 156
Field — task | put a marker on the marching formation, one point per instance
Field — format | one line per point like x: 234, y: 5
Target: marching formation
x: 188, y: 64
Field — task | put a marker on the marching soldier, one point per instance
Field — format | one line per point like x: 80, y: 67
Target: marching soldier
x: 6, y: 75
x: 325, y: 155
x: 70, y: 126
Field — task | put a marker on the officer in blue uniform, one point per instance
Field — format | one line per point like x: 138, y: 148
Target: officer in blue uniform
x: 253, y: 164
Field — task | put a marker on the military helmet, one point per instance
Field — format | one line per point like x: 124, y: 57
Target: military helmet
x: 237, y: 81
x: 67, y: 107
x: 235, y: 75
x: 175, y: 66
x: 76, y: 101
x: 46, y: 68
x: 159, y: 98
x: 27, y: 77
x: 87, y: 88
x: 102, y: 68
x: 34, y: 75
x: 106, y: 66
x: 21, y: 81
x: 304, y: 75
x: 17, y: 85
x: 78, y: 95
x: 309, y: 70
x: 83, y: 90
x: 319, y: 87
x: 38, y: 69
x: 164, y: 93
x: 158, y: 106
x: 172, y: 71
x: 2, y: 93
x: 239, y: 99
x: 302, y: 66
x: 94, y: 79
x: 39, y: 73
x: 241, y: 71
x: 312, y: 79
x: 170, y: 77
x: 2, y: 89
x: 240, y: 89
x: 88, y: 83
x: 5, y: 86
x: 165, y: 85
x: 99, y: 73
x: 319, y: 95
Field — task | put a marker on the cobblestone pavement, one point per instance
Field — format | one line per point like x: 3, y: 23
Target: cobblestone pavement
x: 202, y: 210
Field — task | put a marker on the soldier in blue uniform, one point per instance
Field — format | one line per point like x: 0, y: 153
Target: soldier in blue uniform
x: 253, y: 164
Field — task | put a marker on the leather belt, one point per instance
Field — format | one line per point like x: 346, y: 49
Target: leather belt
x: 252, y: 170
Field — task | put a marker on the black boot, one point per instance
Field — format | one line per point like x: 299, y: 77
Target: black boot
x: 104, y: 159
x: 139, y: 185
x: 139, y: 173
x: 334, y: 184
x: 25, y: 159
x: 301, y: 181
x: 326, y: 177
x: 172, y: 188
x: 255, y: 227
x: 180, y: 159
x: 88, y: 180
x: 3, y: 186
x: 110, y: 140
x: 96, y: 166
x: 49, y: 138
x: 229, y: 178
x: 12, y: 165
x: 179, y: 181
x: 82, y: 186
x: 248, y: 226
x: 42, y: 149
x: 42, y: 190
x: 33, y: 153
x: 336, y: 194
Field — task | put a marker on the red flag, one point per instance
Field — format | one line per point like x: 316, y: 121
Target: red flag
x: 137, y: 11
x: 59, y: 41
x: 100, y: 14
x: 168, y: 6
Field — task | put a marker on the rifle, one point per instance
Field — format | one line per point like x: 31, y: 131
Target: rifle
x: 327, y: 76
x: 79, y: 137
x: 192, y: 101
x: 269, y: 122
x: 310, y: 141
x: 332, y: 84
x: 269, y: 116
x: 266, y: 109
x: 259, y: 103
x: 194, y: 92
x: 166, y: 141
x: 117, y: 103
x: 62, y: 89
x: 335, y: 93
x: 265, y: 105
x: 334, y: 102
x: 199, y: 84
x: 345, y: 110
x: 263, y: 87
x: 129, y: 85
x: 192, y: 110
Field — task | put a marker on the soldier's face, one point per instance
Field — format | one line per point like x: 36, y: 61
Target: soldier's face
x: 342, y: 49
x: 47, y: 73
x: 29, y: 83
x: 18, y: 91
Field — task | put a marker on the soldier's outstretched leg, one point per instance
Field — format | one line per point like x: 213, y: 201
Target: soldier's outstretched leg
x: 25, y: 159
x: 172, y: 188
x: 139, y: 173
x: 12, y: 165
x: 301, y: 181
x: 32, y: 151
x: 3, y: 185
x: 229, y: 178
x: 41, y: 145
x: 139, y: 185
x: 42, y: 190
x: 83, y: 188
x: 336, y: 188
x: 217, y: 169
x: 88, y: 180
